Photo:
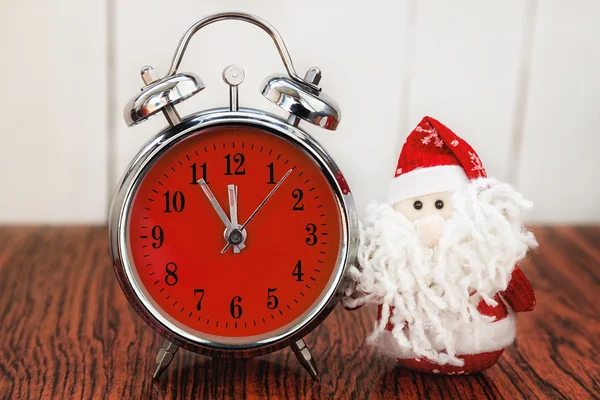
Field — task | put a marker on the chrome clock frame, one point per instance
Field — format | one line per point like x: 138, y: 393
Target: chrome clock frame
x: 304, y: 100
x: 159, y: 145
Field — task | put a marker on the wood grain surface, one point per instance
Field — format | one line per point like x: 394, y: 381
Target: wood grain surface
x: 67, y: 332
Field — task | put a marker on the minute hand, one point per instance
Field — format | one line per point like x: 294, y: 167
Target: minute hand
x: 213, y: 201
x: 271, y: 193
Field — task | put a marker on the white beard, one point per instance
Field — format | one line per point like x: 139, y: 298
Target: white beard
x: 435, y: 290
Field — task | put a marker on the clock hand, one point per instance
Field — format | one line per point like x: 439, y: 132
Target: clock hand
x: 267, y: 198
x: 211, y: 197
x: 232, y: 192
x: 271, y: 193
x: 232, y: 195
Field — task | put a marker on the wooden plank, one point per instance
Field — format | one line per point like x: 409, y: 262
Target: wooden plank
x: 560, y: 167
x: 359, y: 49
x: 53, y: 156
x: 68, y: 332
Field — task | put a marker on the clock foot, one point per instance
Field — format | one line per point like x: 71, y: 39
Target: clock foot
x: 306, y: 359
x: 164, y: 357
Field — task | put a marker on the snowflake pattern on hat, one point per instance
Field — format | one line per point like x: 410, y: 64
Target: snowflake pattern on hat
x: 431, y: 134
x: 476, y: 161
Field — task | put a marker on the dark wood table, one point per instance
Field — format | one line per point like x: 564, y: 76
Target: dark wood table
x: 66, y: 331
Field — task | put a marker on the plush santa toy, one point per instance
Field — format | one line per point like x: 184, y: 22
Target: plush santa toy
x: 439, y: 258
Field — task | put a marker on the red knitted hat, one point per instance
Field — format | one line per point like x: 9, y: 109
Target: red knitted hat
x: 433, y: 159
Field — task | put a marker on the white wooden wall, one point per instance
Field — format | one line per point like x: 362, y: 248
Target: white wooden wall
x: 520, y: 80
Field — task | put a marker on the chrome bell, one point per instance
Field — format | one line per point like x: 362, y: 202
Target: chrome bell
x: 161, y: 95
x: 302, y: 101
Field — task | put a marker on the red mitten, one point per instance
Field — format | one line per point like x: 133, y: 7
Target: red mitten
x: 519, y: 294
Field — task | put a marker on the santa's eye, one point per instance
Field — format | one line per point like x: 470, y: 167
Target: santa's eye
x: 418, y: 205
x: 439, y: 204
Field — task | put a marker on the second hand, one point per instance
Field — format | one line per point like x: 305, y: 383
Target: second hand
x: 261, y: 205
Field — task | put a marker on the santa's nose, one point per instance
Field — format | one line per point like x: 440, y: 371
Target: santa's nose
x: 430, y: 229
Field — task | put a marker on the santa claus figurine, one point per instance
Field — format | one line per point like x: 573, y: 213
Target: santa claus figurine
x: 439, y: 257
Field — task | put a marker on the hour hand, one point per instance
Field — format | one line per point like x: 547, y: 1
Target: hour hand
x: 232, y: 195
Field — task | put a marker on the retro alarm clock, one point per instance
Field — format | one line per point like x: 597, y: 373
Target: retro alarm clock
x: 232, y: 229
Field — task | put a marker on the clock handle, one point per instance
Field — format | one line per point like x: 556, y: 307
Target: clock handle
x: 301, y: 97
x: 240, y: 16
x: 305, y: 358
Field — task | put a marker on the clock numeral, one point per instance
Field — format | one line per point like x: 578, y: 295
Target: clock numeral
x: 171, y: 278
x: 177, y: 202
x: 298, y: 194
x: 271, y: 180
x: 159, y: 236
x: 239, y: 159
x: 195, y: 173
x: 272, y: 300
x: 235, y: 307
x: 199, y: 305
x: 312, y: 239
x: 298, y: 271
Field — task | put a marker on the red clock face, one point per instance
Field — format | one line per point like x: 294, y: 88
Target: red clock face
x: 291, y: 245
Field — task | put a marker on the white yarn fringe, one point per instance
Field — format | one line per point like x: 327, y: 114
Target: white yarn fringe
x: 435, y: 291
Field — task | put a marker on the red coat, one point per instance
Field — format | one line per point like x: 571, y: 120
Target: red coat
x: 483, y: 342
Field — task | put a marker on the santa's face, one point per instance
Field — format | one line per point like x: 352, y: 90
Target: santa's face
x: 468, y: 239
x: 428, y: 212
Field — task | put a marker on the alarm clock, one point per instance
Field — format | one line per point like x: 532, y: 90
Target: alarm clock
x: 232, y: 229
